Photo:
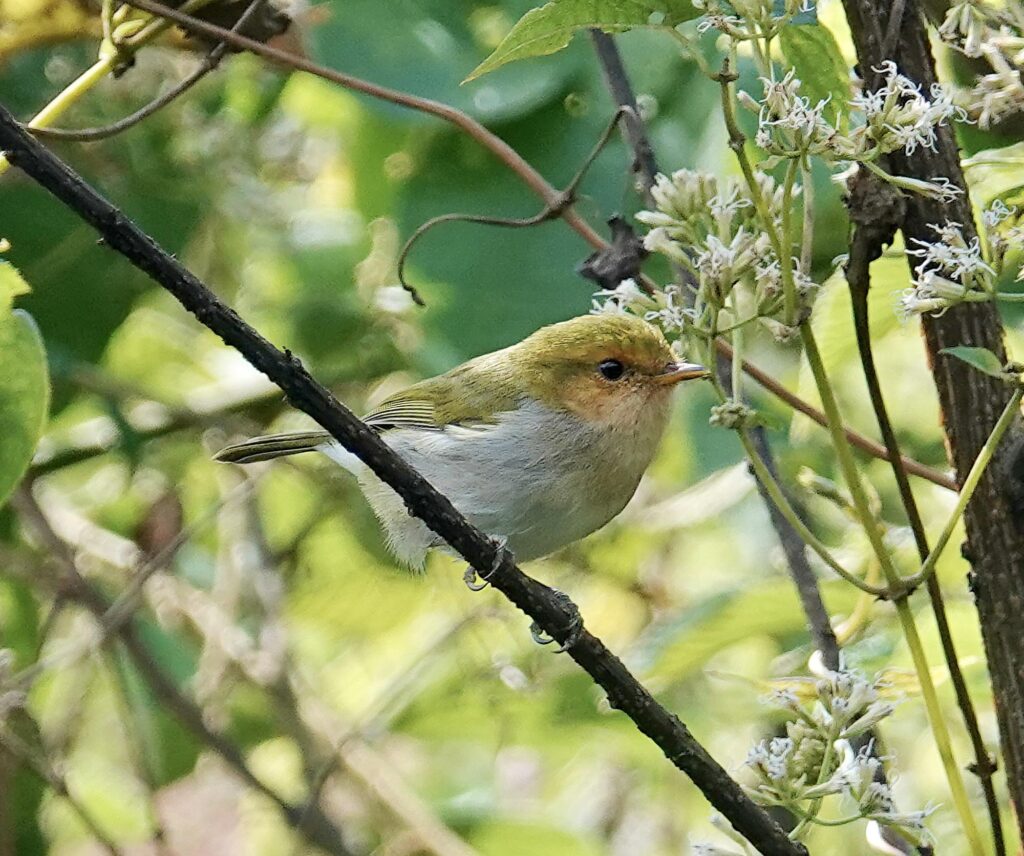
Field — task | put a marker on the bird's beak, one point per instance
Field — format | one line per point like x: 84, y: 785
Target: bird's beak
x: 676, y: 372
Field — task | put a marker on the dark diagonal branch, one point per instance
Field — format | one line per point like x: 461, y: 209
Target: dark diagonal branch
x: 800, y: 569
x: 552, y: 614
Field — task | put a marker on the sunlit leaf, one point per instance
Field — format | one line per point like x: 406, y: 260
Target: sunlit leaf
x: 819, y: 64
x: 12, y: 284
x: 24, y: 395
x: 551, y: 27
x: 981, y: 359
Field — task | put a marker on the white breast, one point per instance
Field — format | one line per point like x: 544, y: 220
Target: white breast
x: 538, y: 477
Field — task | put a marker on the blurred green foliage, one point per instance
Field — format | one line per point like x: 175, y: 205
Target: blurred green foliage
x: 291, y: 198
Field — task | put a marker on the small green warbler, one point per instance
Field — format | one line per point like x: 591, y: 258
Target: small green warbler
x: 538, y: 444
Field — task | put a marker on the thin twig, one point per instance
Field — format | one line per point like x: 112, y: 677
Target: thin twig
x: 644, y: 164
x: 20, y: 750
x: 553, y: 614
x: 502, y: 150
x: 865, y: 444
x: 320, y: 831
x: 552, y: 210
x: 892, y: 28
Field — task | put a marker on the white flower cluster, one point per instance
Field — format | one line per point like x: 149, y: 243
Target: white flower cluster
x: 788, y: 126
x: 1004, y: 232
x: 748, y: 19
x: 816, y: 758
x: 667, y: 308
x: 985, y: 31
x: 952, y: 270
x: 711, y: 229
x: 897, y: 115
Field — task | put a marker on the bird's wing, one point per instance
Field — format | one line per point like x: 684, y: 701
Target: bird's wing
x: 403, y: 411
x: 462, y: 397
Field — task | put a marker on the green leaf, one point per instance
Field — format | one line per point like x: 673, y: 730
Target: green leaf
x: 24, y: 396
x: 812, y: 50
x: 980, y: 358
x: 439, y: 41
x: 550, y: 28
x: 12, y: 284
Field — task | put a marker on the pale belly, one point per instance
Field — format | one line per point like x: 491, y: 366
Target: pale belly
x: 540, y: 479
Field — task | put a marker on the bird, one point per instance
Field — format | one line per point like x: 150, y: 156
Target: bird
x: 538, y: 444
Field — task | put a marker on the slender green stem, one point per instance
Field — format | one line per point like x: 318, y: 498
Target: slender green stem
x: 788, y: 285
x: 778, y: 497
x: 737, y: 142
x: 970, y: 484
x: 738, y: 325
x: 73, y: 92
x: 737, y: 364
x: 807, y: 238
x: 690, y: 49
x: 914, y: 185
x: 823, y: 773
x: 898, y: 587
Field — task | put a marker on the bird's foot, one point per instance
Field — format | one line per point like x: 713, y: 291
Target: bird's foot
x: 575, y: 625
x: 471, y: 576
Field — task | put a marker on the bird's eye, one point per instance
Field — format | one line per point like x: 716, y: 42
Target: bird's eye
x: 611, y: 369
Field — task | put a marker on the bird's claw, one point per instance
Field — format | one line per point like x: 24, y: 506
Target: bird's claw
x: 470, y: 576
x: 470, y: 579
x: 575, y: 629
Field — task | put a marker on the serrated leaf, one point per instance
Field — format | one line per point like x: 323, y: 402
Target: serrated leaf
x: 981, y: 359
x: 24, y: 396
x: 550, y: 28
x: 813, y: 52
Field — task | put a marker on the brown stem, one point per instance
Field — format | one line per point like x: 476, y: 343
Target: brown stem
x: 869, y: 236
x: 865, y: 444
x: 644, y: 164
x: 970, y: 401
x: 208, y: 64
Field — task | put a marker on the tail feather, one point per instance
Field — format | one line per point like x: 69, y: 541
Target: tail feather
x: 273, y: 446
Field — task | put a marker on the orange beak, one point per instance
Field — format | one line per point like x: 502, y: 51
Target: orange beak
x: 676, y: 372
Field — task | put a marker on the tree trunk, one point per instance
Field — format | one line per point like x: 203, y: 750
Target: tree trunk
x: 971, y: 401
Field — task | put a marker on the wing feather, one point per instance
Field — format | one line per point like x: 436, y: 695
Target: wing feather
x: 402, y: 412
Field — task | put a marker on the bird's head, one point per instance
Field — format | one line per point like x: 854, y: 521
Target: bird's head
x: 604, y: 368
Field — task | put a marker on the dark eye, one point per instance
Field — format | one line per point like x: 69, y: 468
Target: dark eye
x: 611, y: 369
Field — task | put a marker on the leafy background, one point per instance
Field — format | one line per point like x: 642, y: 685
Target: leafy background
x: 291, y: 198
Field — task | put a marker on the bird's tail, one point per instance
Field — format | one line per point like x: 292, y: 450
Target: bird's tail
x: 273, y: 446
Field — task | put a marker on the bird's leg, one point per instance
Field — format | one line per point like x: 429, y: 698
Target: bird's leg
x: 470, y: 576
x: 575, y: 625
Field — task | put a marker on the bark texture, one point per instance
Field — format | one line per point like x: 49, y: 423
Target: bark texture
x: 971, y: 402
